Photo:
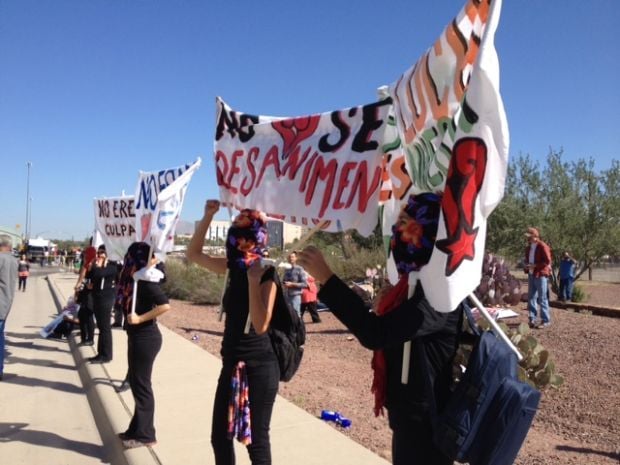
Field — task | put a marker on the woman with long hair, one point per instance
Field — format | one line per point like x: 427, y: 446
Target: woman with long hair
x: 83, y: 296
x: 248, y: 382
x: 144, y: 339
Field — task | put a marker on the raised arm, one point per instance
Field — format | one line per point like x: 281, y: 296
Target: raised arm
x: 194, y: 249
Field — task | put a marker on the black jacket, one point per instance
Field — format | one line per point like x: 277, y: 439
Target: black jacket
x: 434, y: 337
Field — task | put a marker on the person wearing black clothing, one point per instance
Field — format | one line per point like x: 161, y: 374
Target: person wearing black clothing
x: 144, y: 339
x: 249, y: 361
x: 84, y: 298
x: 23, y: 271
x: 397, y: 320
x: 102, y: 275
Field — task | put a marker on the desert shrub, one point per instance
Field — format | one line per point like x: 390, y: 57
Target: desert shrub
x: 193, y: 283
x: 354, y: 267
x: 579, y: 295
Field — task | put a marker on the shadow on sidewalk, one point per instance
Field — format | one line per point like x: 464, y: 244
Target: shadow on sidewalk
x: 10, y: 432
x: 36, y: 382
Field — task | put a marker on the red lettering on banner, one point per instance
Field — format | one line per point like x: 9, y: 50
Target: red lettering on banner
x: 306, y: 173
x: 234, y: 169
x: 342, y: 183
x: 326, y: 172
x: 252, y: 156
x: 294, y: 162
x: 271, y: 159
x: 321, y: 179
x: 220, y: 171
x: 361, y: 189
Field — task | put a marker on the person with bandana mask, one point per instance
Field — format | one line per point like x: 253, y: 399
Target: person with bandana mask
x: 144, y: 339
x: 249, y: 379
x: 398, y: 319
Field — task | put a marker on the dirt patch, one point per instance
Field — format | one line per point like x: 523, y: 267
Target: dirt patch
x: 576, y: 424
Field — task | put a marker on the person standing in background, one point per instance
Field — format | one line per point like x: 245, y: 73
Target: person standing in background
x: 294, y: 281
x: 23, y: 271
x: 83, y: 296
x: 8, y: 281
x: 309, y: 300
x: 567, y: 277
x: 538, y: 269
x: 103, y: 281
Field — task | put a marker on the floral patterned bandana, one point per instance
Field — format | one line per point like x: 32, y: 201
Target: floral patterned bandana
x: 413, y: 235
x: 246, y: 240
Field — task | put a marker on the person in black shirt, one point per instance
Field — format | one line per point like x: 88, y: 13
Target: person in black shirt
x: 83, y: 296
x: 249, y: 363
x: 102, y: 276
x: 397, y: 319
x: 144, y: 338
x: 23, y: 271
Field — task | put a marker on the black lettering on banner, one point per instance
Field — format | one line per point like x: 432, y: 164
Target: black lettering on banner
x: 362, y: 141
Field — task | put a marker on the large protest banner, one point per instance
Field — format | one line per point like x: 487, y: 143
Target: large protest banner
x: 324, y: 168
x: 455, y: 138
x: 115, y: 221
x: 150, y: 184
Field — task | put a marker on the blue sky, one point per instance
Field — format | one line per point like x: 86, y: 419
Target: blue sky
x: 92, y: 91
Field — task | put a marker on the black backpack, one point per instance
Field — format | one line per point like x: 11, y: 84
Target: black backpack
x: 488, y: 415
x: 287, y: 333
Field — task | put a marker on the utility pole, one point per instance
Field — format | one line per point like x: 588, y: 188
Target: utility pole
x: 28, y: 199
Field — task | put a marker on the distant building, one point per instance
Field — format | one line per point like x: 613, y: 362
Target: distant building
x: 15, y: 236
x: 279, y: 233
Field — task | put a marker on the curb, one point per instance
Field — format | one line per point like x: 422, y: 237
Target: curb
x: 595, y: 309
x: 110, y: 411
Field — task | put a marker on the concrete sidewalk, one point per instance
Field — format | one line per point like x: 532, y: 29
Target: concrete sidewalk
x: 45, y: 418
x: 184, y: 381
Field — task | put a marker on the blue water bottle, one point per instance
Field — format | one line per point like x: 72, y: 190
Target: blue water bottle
x: 336, y: 417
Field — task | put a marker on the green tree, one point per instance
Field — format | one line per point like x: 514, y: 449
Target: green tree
x: 575, y: 208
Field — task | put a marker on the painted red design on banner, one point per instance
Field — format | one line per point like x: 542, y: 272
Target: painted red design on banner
x: 293, y: 131
x: 465, y: 176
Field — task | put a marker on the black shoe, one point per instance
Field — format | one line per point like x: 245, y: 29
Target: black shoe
x: 87, y: 343
x: 124, y: 386
x: 100, y: 360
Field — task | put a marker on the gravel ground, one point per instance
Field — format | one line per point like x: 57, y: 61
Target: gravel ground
x: 576, y: 424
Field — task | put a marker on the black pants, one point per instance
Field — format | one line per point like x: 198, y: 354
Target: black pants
x: 85, y: 315
x: 263, y: 380
x: 310, y: 307
x: 143, y: 345
x: 412, y: 442
x: 22, y: 283
x: 102, y: 307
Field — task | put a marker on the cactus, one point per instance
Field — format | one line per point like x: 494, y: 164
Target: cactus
x: 537, y: 368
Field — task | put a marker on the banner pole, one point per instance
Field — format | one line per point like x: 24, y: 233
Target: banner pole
x: 494, y: 325
x: 404, y: 374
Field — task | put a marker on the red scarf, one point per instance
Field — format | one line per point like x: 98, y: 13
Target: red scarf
x: 396, y: 296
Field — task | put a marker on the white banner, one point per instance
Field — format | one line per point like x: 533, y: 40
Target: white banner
x: 453, y: 127
x: 115, y: 221
x: 304, y: 170
x: 150, y: 184
x: 168, y: 212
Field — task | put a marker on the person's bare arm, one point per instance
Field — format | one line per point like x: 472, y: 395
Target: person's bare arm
x: 194, y: 249
x: 134, y: 318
